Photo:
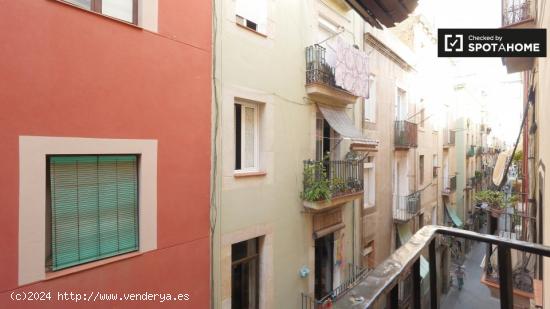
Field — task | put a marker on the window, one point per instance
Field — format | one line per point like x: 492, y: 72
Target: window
x: 125, y: 10
x: 93, y: 208
x: 370, y: 103
x: 252, y: 14
x: 401, y: 105
x: 421, y: 166
x: 422, y: 117
x: 245, y: 274
x: 246, y: 137
x: 370, y: 185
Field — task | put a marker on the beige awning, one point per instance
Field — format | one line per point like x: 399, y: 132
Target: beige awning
x: 500, y: 165
x: 341, y: 123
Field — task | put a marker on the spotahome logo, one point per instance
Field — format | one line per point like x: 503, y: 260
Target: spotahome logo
x: 491, y: 42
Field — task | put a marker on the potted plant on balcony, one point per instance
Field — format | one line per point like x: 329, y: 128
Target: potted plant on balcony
x: 317, y: 187
x: 494, y: 199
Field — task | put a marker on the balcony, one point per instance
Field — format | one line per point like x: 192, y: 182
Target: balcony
x: 451, y: 186
x: 448, y: 138
x: 384, y: 281
x: 320, y: 80
x: 331, y: 183
x: 471, y: 152
x: 406, y: 207
x: 518, y: 14
x: 354, y: 275
x: 405, y: 134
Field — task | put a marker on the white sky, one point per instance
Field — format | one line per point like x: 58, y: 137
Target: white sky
x: 503, y: 90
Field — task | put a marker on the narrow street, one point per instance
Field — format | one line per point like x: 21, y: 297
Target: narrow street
x: 474, y: 294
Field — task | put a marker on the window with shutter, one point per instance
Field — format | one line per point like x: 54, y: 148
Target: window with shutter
x: 246, y: 137
x: 252, y: 14
x: 93, y: 208
x: 370, y: 103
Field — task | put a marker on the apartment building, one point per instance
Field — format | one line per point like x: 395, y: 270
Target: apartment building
x: 293, y: 133
x: 101, y: 102
x: 535, y: 190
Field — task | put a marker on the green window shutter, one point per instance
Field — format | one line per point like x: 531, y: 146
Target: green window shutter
x: 94, y: 208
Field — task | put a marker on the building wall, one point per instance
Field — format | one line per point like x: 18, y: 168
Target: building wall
x: 269, y: 70
x: 378, y: 222
x: 67, y: 72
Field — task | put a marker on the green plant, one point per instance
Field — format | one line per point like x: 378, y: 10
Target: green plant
x: 518, y: 156
x: 338, y: 185
x: 495, y: 199
x: 316, y: 185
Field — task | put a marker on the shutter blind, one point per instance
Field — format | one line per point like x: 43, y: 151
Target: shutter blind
x: 94, y: 208
x: 249, y: 137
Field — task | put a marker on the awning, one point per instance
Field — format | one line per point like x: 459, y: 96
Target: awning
x: 387, y: 12
x: 500, y: 165
x: 405, y: 234
x: 454, y: 217
x: 341, y: 123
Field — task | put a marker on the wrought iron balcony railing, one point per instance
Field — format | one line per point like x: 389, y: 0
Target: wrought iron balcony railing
x: 405, y: 134
x: 354, y: 275
x: 326, y: 179
x: 317, y: 68
x: 516, y: 11
x: 406, y: 207
x: 385, y: 278
x: 453, y: 183
x: 471, y: 152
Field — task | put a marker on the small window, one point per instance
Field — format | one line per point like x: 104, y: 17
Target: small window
x: 125, y: 10
x: 92, y: 208
x: 369, y: 199
x: 246, y: 137
x: 245, y: 272
x: 421, y: 167
x: 422, y: 117
x: 252, y: 14
x: 370, y: 103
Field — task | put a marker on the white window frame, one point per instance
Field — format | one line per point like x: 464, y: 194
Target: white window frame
x: 401, y: 106
x: 369, y: 193
x: 261, y: 25
x: 369, y: 113
x: 256, y: 108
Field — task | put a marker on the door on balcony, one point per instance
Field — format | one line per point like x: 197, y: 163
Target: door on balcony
x: 324, y: 265
x: 401, y: 105
x: 324, y: 135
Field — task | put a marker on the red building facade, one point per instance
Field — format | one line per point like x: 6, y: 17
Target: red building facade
x: 90, y: 93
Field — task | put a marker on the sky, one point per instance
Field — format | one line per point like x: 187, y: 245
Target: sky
x: 503, y: 91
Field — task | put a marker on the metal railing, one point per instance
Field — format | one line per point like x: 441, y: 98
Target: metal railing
x: 453, y: 183
x: 406, y: 207
x: 339, y: 177
x: 317, y: 69
x: 405, y: 134
x: 385, y: 278
x: 516, y: 11
x: 471, y: 152
x: 354, y: 275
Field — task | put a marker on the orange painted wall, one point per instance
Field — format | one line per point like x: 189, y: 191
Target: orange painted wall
x: 68, y: 72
